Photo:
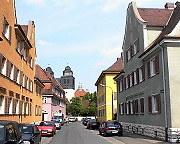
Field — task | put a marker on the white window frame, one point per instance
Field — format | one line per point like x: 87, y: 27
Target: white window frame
x: 130, y: 78
x: 127, y: 107
x: 121, y: 107
x: 44, y: 100
x: 121, y: 85
x: 140, y: 74
x: 131, y: 103
x: 2, y: 105
x: 154, y: 103
x: 135, y: 78
x: 4, y: 69
x: 18, y: 76
x: 126, y: 82
x: 152, y: 67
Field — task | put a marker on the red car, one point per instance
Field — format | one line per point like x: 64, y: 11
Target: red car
x: 47, y: 128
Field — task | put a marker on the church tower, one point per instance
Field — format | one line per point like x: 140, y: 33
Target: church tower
x: 67, y: 82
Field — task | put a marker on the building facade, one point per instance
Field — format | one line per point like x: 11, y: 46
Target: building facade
x: 54, y: 100
x: 67, y: 82
x: 107, y: 92
x: 17, y: 67
x: 148, y: 86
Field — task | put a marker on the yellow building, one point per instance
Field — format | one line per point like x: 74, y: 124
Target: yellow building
x: 107, y: 92
x: 17, y: 67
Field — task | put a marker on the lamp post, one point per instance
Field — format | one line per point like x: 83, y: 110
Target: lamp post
x: 112, y: 98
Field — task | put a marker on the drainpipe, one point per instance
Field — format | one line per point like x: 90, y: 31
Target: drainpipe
x: 165, y: 101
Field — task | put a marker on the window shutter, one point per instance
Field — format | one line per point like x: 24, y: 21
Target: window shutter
x: 148, y: 69
x: 143, y: 72
x: 127, y: 56
x: 137, y: 75
x: 134, y: 107
x: 159, y: 103
x: 119, y: 108
x: 132, y: 75
x: 124, y: 83
x: 142, y: 105
x: 131, y: 51
x: 129, y: 105
x: 150, y: 104
x: 128, y: 77
x: 126, y: 107
x: 157, y: 64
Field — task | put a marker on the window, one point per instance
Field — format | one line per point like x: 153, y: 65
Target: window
x: 4, y: 66
x: 44, y: 100
x: 154, y: 102
x: 126, y: 82
x: 153, y: 66
x: 122, y: 108
x: 131, y: 80
x: 136, y: 47
x: 136, y: 106
x: 141, y: 74
x: 135, y: 78
x: 12, y: 72
x: 131, y: 107
x: 18, y: 76
x: 142, y: 105
x: 2, y: 105
x: 121, y: 85
x: 6, y: 30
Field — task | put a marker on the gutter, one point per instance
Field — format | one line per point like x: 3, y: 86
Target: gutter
x: 165, y: 101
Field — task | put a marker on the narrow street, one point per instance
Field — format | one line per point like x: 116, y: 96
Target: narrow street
x: 76, y: 133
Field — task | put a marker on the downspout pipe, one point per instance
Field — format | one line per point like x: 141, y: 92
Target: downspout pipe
x: 165, y: 100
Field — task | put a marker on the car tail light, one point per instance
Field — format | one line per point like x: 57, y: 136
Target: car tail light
x: 90, y: 123
x: 106, y: 128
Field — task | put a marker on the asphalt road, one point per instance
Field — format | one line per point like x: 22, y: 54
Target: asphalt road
x: 76, y: 133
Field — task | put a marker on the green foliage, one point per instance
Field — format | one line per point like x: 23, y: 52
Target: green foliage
x: 75, y: 108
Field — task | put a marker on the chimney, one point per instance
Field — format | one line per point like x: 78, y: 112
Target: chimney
x: 169, y: 6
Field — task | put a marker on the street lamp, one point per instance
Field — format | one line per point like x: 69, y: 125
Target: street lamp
x: 112, y: 98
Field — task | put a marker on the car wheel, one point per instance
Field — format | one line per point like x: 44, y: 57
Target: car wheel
x: 105, y: 134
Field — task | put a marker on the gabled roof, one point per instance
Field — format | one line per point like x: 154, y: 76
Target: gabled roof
x: 41, y: 74
x: 155, y: 17
x: 167, y: 31
x: 116, y: 68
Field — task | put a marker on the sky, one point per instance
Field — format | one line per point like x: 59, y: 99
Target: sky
x: 86, y: 35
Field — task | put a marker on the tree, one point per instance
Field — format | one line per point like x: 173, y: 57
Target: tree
x: 75, y: 107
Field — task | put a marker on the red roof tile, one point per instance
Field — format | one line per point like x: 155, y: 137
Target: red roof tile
x: 79, y: 93
x: 155, y: 17
x: 116, y: 67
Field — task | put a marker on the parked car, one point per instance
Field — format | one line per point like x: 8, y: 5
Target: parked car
x: 110, y: 128
x: 9, y: 133
x: 72, y: 119
x: 47, y: 128
x: 57, y: 123
x: 93, y: 124
x: 85, y: 121
x: 30, y: 133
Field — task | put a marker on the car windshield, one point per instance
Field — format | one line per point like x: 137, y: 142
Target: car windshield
x: 56, y: 121
x: 2, y: 132
x: 112, y: 123
x: 26, y: 129
x: 46, y: 124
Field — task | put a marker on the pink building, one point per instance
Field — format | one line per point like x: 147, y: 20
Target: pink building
x: 54, y: 100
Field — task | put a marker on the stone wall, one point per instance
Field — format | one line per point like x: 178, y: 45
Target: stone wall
x: 156, y: 132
